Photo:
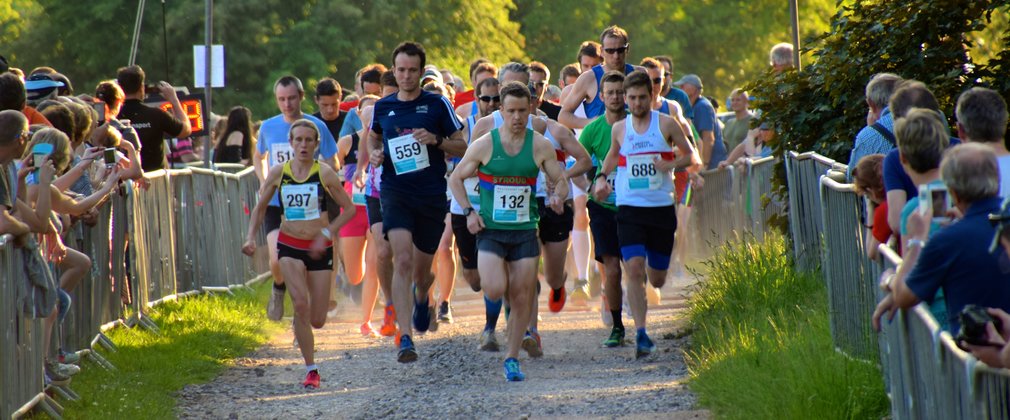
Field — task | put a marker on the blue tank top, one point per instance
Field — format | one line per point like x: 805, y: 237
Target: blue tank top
x: 596, y: 108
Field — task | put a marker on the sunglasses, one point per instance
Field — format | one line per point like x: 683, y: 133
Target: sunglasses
x: 533, y: 89
x: 488, y: 98
x: 657, y: 80
x: 538, y: 84
x: 618, y: 50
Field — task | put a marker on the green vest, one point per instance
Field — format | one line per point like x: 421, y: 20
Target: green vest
x: 507, y: 185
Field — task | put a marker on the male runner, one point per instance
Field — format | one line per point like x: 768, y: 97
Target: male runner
x: 507, y: 162
x: 480, y: 69
x: 642, y: 152
x: 273, y: 148
x: 410, y: 134
x: 587, y: 87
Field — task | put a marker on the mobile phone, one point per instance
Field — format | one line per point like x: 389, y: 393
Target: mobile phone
x: 100, y: 108
x: 934, y: 201
x: 40, y: 152
x: 110, y: 156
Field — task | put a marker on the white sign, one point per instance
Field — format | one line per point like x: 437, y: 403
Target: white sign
x: 200, y: 65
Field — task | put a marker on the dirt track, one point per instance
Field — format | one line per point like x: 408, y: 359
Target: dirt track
x: 576, y: 378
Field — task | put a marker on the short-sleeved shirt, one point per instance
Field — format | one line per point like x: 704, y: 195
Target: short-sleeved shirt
x: 464, y: 97
x: 352, y: 123
x: 735, y: 131
x: 957, y: 259
x: 8, y: 186
x: 550, y: 109
x: 678, y: 94
x: 595, y: 137
x: 937, y: 305
x: 394, y: 118
x: 704, y: 120
x: 274, y: 131
x: 336, y: 125
x: 869, y: 141
x: 895, y: 177
x: 881, y: 230
x: 152, y: 125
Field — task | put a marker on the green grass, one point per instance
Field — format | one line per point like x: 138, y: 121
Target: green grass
x: 199, y: 337
x: 762, y: 347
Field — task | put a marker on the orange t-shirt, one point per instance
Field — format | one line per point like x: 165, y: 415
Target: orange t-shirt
x: 35, y: 117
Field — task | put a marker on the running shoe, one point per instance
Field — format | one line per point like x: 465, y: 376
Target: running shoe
x: 311, y: 380
x: 368, y: 331
x: 580, y: 294
x: 512, y: 372
x: 388, y: 328
x: 643, y: 345
x: 531, y: 343
x: 422, y: 315
x: 69, y: 358
x: 605, y: 315
x: 556, y: 300
x: 616, y: 338
x: 652, y: 295
x: 445, y: 312
x: 407, y: 353
x: 432, y: 319
x: 488, y: 341
x: 275, y: 306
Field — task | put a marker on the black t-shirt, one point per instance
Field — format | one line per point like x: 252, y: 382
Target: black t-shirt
x: 334, y: 125
x: 152, y: 125
x: 550, y: 109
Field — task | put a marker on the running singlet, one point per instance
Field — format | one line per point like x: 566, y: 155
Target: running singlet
x: 596, y: 108
x: 302, y: 199
x: 410, y: 167
x: 273, y: 142
x: 638, y: 182
x: 506, y: 187
x: 558, y: 151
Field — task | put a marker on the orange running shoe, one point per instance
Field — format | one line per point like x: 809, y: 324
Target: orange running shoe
x: 556, y: 300
x: 311, y: 380
x: 368, y: 331
x: 388, y: 328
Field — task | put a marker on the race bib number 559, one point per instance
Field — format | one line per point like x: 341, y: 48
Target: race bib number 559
x: 407, y: 154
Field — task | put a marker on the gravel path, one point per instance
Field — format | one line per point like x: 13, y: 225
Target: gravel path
x: 576, y: 378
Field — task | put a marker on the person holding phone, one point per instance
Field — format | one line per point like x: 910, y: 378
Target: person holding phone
x: 152, y: 124
x: 305, y: 240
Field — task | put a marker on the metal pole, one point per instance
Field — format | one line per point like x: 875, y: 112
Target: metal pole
x: 136, y: 32
x: 164, y: 42
x: 208, y: 27
x: 794, y: 12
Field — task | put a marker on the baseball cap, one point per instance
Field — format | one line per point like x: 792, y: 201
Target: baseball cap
x: 40, y: 87
x: 690, y: 79
x: 433, y: 75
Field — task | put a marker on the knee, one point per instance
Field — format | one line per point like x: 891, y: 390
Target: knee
x: 319, y: 322
x: 402, y: 264
x: 300, y: 306
x: 658, y: 281
x: 472, y: 279
x: 635, y: 268
x: 493, y: 290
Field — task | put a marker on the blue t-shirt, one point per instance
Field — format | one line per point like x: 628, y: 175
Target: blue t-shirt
x: 957, y: 259
x: 352, y: 123
x: 937, y: 305
x: 394, y: 118
x: 676, y: 94
x: 894, y: 174
x: 273, y: 142
x: 704, y: 120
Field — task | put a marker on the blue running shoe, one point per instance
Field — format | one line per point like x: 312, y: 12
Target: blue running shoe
x: 644, y: 345
x: 407, y: 353
x: 512, y: 372
x: 422, y: 317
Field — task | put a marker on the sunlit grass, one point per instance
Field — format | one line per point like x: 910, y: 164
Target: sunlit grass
x: 762, y: 343
x: 199, y: 337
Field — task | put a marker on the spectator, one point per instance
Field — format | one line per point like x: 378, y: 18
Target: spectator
x: 868, y: 179
x: 982, y: 118
x: 13, y: 96
x: 711, y: 146
x: 781, y: 57
x: 737, y: 127
x: 956, y: 259
x: 152, y: 124
x: 878, y: 135
x: 41, y: 87
x: 998, y: 354
x: 235, y: 142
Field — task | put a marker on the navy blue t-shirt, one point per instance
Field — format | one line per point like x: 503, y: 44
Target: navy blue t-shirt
x: 957, y: 259
x: 394, y: 118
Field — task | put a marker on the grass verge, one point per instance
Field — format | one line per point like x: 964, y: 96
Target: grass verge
x: 762, y: 347
x: 199, y: 337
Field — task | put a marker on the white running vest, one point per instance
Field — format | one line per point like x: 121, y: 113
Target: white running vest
x: 638, y: 182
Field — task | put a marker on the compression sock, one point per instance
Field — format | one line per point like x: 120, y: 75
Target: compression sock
x: 282, y: 287
x: 492, y: 309
x: 310, y: 368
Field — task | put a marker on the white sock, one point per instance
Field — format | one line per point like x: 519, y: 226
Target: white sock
x: 580, y: 247
x: 310, y: 368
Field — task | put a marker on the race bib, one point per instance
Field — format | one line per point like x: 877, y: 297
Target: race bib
x: 300, y: 201
x: 280, y: 153
x: 472, y: 186
x: 408, y: 155
x: 357, y: 195
x: 511, y: 203
x: 642, y: 173
x: 612, y: 180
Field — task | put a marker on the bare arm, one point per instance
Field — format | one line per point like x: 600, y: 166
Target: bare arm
x: 332, y: 184
x: 479, y: 152
x: 267, y: 190
x: 705, y: 146
x: 570, y: 103
x: 567, y: 140
x: 168, y: 92
x: 547, y: 159
x: 134, y: 172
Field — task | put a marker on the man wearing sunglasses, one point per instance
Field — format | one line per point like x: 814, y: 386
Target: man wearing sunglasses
x: 540, y: 76
x: 586, y: 90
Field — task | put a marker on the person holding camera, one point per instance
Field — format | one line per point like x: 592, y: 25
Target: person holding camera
x: 956, y: 259
x: 152, y: 124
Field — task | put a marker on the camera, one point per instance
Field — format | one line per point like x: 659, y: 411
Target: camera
x: 973, y: 319
x: 110, y: 156
x: 934, y: 201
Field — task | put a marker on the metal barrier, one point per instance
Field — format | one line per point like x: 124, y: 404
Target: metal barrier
x: 803, y: 171
x: 928, y: 376
x: 183, y: 234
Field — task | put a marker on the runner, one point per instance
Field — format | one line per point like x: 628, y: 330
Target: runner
x: 586, y: 89
x: 305, y: 240
x: 480, y: 69
x: 357, y: 249
x: 507, y: 163
x: 466, y: 243
x: 410, y: 135
x: 642, y: 151
x: 273, y: 148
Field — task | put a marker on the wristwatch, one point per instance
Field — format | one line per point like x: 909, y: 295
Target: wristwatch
x: 467, y: 211
x: 325, y: 232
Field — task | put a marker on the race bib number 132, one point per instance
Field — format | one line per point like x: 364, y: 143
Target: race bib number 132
x: 511, y: 203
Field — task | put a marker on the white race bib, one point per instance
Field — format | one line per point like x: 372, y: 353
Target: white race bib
x: 300, y: 201
x: 357, y: 195
x: 511, y: 203
x: 472, y: 186
x: 408, y: 155
x: 280, y: 153
x: 612, y: 180
x: 642, y: 174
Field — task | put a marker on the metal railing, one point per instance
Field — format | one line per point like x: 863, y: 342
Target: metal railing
x: 183, y: 235
x: 803, y: 172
